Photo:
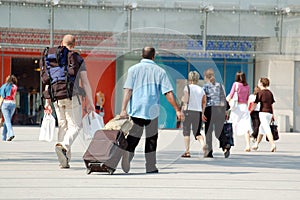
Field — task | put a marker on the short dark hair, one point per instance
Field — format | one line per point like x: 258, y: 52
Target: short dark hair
x: 148, y: 52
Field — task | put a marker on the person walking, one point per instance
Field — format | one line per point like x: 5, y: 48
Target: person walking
x: 215, y: 111
x: 145, y: 82
x: 195, y: 100
x: 266, y: 113
x: 8, y: 92
x: 240, y: 115
x: 69, y: 110
x: 255, y: 113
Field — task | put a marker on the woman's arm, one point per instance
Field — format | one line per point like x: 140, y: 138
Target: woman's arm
x: 230, y: 95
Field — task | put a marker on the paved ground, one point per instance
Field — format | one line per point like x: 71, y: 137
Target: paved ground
x: 29, y: 170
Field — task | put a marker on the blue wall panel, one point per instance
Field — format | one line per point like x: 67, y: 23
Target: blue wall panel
x: 178, y: 68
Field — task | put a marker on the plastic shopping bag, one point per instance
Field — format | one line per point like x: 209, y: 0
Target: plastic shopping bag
x: 47, y: 128
x: 91, y: 123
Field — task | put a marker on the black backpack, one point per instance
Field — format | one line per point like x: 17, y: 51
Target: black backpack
x: 59, y: 68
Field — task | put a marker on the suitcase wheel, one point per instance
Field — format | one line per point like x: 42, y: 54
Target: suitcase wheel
x: 110, y: 170
x: 88, y: 170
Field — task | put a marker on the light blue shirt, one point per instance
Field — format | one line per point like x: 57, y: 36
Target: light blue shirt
x: 147, y: 81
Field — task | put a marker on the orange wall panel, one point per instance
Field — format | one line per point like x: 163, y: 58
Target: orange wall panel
x: 102, y: 75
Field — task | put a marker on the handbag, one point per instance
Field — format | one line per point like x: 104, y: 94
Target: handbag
x: 47, y: 128
x: 226, y: 136
x: 234, y: 100
x: 91, y: 123
x: 274, y: 130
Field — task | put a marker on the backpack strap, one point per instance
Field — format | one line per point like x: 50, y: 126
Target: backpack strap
x: 69, y: 56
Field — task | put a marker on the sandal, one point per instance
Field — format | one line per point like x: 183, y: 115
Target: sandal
x: 247, y: 149
x: 186, y: 155
x: 255, y: 147
x: 273, y: 149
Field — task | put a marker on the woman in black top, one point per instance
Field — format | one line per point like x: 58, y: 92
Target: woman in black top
x: 266, y: 115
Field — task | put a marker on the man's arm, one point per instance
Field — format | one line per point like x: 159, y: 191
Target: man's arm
x: 47, y: 106
x: 88, y: 91
x: 126, y: 98
x: 171, y: 100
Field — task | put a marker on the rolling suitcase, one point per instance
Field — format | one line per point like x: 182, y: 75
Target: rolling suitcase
x: 105, y: 151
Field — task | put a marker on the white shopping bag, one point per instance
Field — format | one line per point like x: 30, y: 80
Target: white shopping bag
x: 91, y: 123
x: 47, y: 128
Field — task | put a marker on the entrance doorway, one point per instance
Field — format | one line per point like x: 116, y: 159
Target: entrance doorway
x: 28, y: 99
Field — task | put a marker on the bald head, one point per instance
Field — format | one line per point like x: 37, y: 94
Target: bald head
x: 69, y: 41
x: 148, y: 53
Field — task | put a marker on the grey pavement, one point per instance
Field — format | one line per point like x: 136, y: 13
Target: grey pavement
x: 29, y: 170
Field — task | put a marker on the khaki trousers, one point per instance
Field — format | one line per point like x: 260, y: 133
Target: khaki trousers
x: 69, y: 116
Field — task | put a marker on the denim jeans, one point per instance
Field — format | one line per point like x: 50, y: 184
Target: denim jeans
x: 8, y: 109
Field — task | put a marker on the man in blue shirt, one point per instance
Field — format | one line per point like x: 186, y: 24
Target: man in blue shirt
x: 145, y: 82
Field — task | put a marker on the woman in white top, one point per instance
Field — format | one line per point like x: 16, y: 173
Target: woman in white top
x: 195, y: 100
x: 255, y: 113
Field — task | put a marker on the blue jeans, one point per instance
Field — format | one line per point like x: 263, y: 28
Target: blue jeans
x: 8, y: 109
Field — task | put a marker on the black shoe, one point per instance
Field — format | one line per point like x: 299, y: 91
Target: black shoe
x: 62, y: 156
x: 226, y: 153
x: 209, y: 155
x: 152, y: 172
x: 11, y: 138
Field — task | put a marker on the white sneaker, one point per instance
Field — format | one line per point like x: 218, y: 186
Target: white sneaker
x: 61, y: 153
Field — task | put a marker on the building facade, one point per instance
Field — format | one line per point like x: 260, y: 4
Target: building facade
x: 258, y: 38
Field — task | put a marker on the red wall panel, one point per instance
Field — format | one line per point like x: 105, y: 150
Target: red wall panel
x: 102, y: 75
x: 101, y: 71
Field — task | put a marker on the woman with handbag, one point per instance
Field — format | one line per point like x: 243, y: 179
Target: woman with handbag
x: 266, y: 99
x: 195, y: 100
x: 240, y: 115
x: 8, y: 92
x: 215, y: 111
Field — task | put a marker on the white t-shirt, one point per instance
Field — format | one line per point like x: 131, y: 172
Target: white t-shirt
x: 251, y: 99
x: 196, y: 95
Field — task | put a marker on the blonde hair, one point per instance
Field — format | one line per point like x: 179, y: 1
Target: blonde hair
x: 210, y: 75
x: 194, y: 77
x: 256, y: 90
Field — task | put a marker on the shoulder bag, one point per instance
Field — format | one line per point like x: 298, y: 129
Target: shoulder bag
x: 234, y: 100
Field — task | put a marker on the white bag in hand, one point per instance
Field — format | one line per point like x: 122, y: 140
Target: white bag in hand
x: 91, y: 123
x: 47, y: 128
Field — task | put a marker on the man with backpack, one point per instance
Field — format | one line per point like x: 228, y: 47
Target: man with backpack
x: 62, y: 70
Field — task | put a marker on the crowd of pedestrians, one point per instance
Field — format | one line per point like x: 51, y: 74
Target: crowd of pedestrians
x: 204, y: 108
x: 251, y: 117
